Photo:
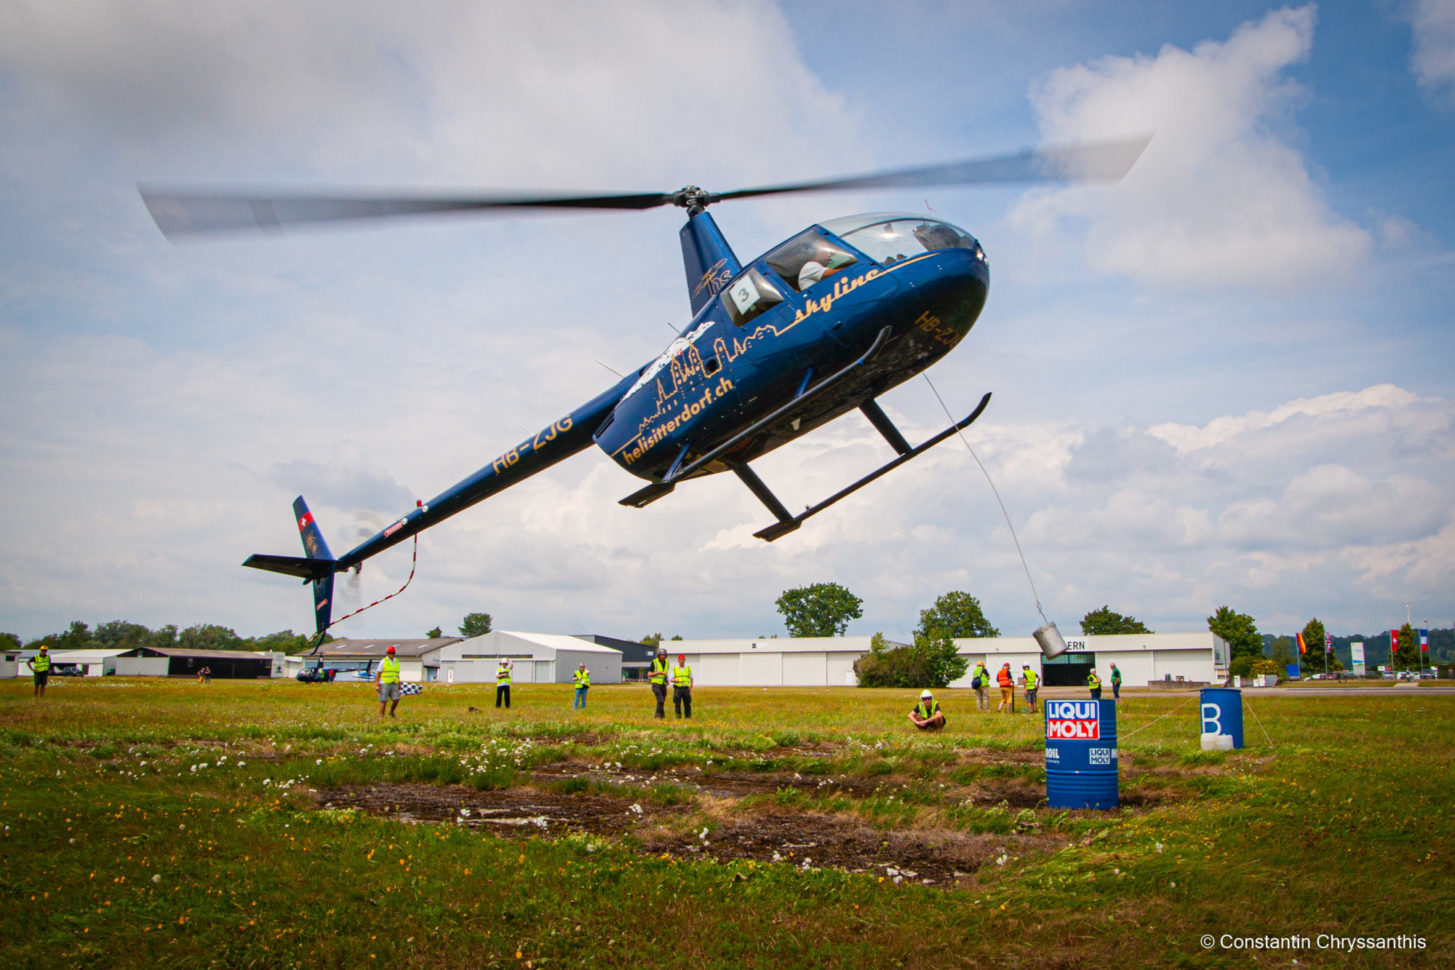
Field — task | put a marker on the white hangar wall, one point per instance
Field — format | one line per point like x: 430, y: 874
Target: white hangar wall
x: 1143, y: 659
x: 772, y: 661
x: 540, y: 658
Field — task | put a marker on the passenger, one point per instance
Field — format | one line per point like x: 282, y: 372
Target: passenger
x: 927, y: 715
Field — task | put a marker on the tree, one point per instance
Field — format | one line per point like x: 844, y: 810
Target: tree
x: 77, y: 637
x: 1407, y: 654
x: 820, y: 610
x: 955, y: 615
x: 209, y: 636
x: 434, y: 634
x: 1314, y: 636
x: 9, y: 641
x: 284, y: 641
x: 651, y: 640
x: 475, y: 625
x: 121, y: 635
x: 1282, y: 653
x: 928, y: 662
x: 1106, y: 622
x: 946, y: 664
x: 1241, y: 632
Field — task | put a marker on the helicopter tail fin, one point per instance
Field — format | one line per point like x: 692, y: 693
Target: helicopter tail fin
x: 707, y: 259
x: 318, y: 568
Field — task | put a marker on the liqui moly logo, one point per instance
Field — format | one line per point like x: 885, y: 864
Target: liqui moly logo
x: 1073, y: 720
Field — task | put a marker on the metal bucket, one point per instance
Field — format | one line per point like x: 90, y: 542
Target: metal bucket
x: 1081, y: 754
x: 1051, y: 641
x: 1222, y: 716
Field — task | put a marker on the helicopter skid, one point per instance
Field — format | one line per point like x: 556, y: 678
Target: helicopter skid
x: 789, y: 523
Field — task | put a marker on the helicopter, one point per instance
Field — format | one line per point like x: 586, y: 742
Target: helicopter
x: 821, y: 324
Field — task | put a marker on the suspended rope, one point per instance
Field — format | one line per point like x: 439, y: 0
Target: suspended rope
x: 413, y: 563
x: 996, y: 492
x: 1156, y: 719
x: 1259, y: 723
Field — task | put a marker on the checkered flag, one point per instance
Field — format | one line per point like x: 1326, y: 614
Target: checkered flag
x: 405, y: 690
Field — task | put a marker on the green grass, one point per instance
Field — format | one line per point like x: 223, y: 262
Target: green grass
x: 148, y: 822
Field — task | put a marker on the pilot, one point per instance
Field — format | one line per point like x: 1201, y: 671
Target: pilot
x: 822, y: 261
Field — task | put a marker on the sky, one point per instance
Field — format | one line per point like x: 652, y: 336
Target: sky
x: 1222, y: 381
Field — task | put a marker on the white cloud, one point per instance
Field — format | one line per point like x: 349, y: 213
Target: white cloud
x: 1433, y: 23
x: 1218, y: 199
x: 1385, y: 400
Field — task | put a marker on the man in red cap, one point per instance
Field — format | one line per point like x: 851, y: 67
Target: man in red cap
x: 387, y: 680
x: 682, y: 687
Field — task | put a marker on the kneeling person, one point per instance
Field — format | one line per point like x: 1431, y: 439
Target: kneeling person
x: 927, y: 715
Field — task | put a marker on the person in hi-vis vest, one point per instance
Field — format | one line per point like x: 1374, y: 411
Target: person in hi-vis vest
x: 502, y: 682
x: 682, y: 687
x: 387, y: 680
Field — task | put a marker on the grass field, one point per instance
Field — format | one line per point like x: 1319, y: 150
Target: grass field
x: 253, y: 824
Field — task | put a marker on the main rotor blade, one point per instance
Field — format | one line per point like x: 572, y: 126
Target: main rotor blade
x: 180, y: 214
x: 1105, y: 161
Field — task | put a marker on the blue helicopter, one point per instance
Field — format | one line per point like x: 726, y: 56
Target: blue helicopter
x: 822, y: 324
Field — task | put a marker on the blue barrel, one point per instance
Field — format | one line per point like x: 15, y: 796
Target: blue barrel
x: 1222, y: 713
x: 1081, y: 754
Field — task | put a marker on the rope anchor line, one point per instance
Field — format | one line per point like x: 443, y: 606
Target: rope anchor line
x: 996, y: 492
x: 413, y: 564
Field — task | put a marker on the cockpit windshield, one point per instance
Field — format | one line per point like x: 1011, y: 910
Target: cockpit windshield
x: 888, y: 237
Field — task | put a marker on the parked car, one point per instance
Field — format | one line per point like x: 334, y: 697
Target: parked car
x: 68, y: 670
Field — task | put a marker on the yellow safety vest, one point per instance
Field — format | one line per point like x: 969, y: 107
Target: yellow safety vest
x: 389, y: 671
x: 659, y: 672
x: 1092, y: 680
x: 925, y: 715
x: 502, y: 676
x: 682, y: 676
x: 1031, y: 680
x: 583, y: 678
x: 41, y: 662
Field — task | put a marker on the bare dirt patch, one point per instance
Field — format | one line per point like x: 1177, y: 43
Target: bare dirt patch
x: 813, y: 840
x: 522, y: 811
x: 802, y: 839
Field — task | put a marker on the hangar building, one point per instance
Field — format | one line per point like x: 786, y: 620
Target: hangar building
x: 772, y: 661
x: 540, y: 658
x: 1144, y: 659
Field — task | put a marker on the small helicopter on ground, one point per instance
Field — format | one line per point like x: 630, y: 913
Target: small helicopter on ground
x: 819, y: 325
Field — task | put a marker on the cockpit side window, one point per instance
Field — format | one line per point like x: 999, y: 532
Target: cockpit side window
x: 748, y: 296
x: 897, y: 239
x: 807, y: 258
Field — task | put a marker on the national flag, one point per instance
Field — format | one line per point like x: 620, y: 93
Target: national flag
x: 1424, y: 641
x: 1301, y: 648
x: 1393, y: 641
x: 1328, y: 643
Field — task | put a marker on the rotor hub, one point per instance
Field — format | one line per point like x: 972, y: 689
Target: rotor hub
x: 693, y: 199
